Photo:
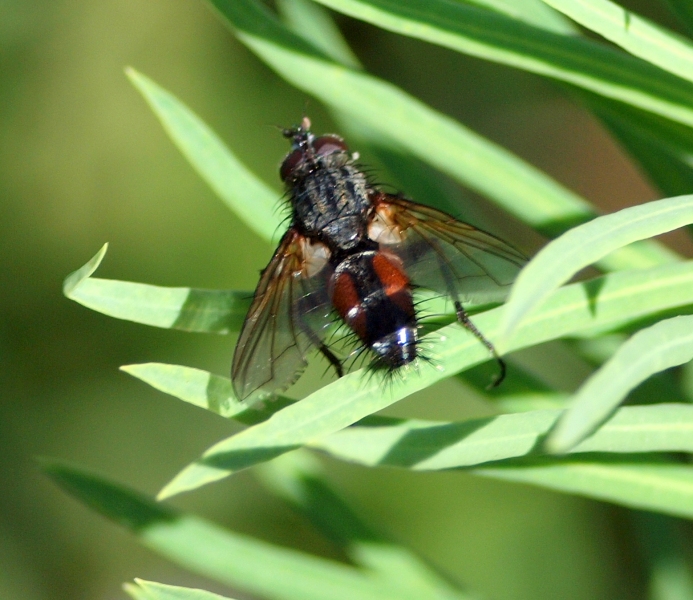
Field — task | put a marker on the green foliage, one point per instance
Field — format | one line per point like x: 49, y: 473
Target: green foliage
x: 257, y: 567
x: 149, y: 590
x: 666, y: 344
x: 636, y: 35
x: 582, y: 246
x: 626, y: 455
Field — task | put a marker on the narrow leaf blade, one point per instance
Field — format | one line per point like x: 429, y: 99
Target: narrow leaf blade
x: 641, y: 484
x: 633, y: 33
x: 150, y: 590
x: 204, y: 389
x: 187, y: 309
x: 602, y: 304
x: 312, y: 21
x: 494, y: 37
x: 666, y: 344
x: 254, y: 202
x: 434, y: 446
x: 255, y: 566
x: 534, y: 12
x: 584, y: 245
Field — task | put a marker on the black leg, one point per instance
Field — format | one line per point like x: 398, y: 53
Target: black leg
x: 302, y: 308
x: 463, y: 318
x: 332, y: 358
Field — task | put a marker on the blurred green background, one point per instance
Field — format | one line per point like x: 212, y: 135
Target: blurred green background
x: 83, y: 161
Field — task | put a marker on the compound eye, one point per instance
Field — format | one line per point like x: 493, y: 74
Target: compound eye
x: 329, y: 144
x: 290, y: 163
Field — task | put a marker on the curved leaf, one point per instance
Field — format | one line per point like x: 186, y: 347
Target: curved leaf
x: 253, y: 201
x: 666, y: 344
x: 598, y: 305
x: 582, y: 246
x: 494, y: 37
x: 205, y: 390
x: 434, y: 446
x: 642, y: 483
x: 211, y: 311
x: 633, y: 33
x: 260, y: 568
x: 534, y: 12
x: 76, y: 278
x: 149, y: 590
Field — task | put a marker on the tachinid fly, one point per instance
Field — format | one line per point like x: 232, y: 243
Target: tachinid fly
x: 355, y: 252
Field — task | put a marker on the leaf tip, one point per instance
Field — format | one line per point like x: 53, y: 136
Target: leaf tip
x: 129, y: 369
x: 131, y: 589
x: 73, y: 280
x: 142, y: 83
x: 132, y: 74
x: 177, y: 485
x: 168, y: 491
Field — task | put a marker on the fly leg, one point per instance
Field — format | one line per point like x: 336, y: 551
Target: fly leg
x: 466, y: 322
x: 302, y: 311
x: 324, y: 350
x: 463, y: 318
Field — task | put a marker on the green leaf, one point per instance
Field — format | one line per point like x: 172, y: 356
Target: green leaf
x: 483, y: 166
x: 257, y: 567
x: 298, y: 478
x: 149, y: 590
x: 205, y: 390
x: 595, y: 306
x: 134, y: 592
x: 534, y: 12
x: 584, y: 245
x: 254, y: 202
x: 494, y: 37
x: 662, y: 147
x: 311, y: 21
x: 633, y: 33
x: 642, y: 483
x: 666, y: 344
x: 211, y: 311
x: 74, y: 280
x: 434, y: 446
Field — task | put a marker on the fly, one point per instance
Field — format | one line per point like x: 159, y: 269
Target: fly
x: 355, y: 252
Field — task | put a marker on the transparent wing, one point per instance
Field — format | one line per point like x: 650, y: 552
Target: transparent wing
x: 443, y: 254
x: 289, y: 315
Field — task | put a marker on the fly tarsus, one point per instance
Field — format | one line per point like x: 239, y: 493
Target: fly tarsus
x: 464, y: 319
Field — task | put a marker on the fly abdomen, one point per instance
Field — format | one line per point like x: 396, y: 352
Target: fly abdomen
x: 373, y: 295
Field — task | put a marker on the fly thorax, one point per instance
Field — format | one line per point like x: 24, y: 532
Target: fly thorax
x: 327, y: 194
x: 345, y: 234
